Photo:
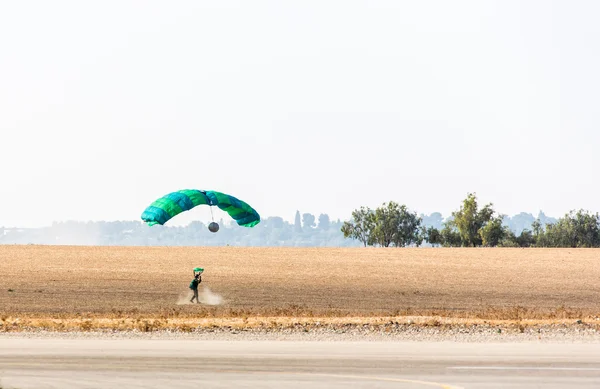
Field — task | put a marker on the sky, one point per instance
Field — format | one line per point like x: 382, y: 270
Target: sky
x: 318, y: 106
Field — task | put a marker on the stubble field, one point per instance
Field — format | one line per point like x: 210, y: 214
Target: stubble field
x: 60, y: 283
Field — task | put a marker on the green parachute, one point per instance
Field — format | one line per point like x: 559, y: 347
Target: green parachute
x: 172, y: 204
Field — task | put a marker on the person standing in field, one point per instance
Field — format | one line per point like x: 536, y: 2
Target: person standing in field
x: 194, y: 286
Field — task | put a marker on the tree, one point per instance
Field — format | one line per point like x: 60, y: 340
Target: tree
x: 324, y: 222
x: 395, y: 225
x: 433, y: 236
x: 386, y: 224
x: 361, y: 226
x: 408, y: 229
x: 297, y: 223
x: 580, y: 229
x: 526, y: 239
x: 586, y: 227
x: 450, y: 235
x: 537, y: 227
x: 275, y: 222
x: 308, y: 220
x: 509, y: 239
x: 492, y: 233
x: 469, y: 220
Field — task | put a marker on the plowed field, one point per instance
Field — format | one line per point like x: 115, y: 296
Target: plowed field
x: 65, y: 281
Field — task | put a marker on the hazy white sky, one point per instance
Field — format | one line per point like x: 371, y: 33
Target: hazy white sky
x: 320, y: 106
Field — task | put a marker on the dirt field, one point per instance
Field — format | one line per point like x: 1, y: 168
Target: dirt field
x: 59, y: 281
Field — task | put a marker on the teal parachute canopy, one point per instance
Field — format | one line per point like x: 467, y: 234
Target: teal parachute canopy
x: 172, y: 204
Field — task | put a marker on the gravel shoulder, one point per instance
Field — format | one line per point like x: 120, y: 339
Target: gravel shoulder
x: 317, y: 331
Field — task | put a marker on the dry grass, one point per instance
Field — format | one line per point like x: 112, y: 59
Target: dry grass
x: 382, y: 324
x: 140, y: 286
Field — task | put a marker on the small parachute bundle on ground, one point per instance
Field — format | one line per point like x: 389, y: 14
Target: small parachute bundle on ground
x: 172, y: 204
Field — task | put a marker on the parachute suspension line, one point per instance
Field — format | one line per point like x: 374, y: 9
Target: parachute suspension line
x: 211, y: 214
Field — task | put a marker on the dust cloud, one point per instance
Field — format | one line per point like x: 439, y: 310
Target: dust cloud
x: 205, y: 295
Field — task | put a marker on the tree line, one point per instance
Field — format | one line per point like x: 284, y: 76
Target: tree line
x: 305, y: 230
x: 393, y: 224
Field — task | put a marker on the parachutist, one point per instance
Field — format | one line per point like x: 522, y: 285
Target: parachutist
x: 195, y: 282
x: 213, y: 227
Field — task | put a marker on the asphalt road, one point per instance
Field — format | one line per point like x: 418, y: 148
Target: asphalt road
x: 167, y: 363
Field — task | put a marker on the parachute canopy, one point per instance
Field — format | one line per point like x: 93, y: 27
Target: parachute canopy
x: 168, y: 206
